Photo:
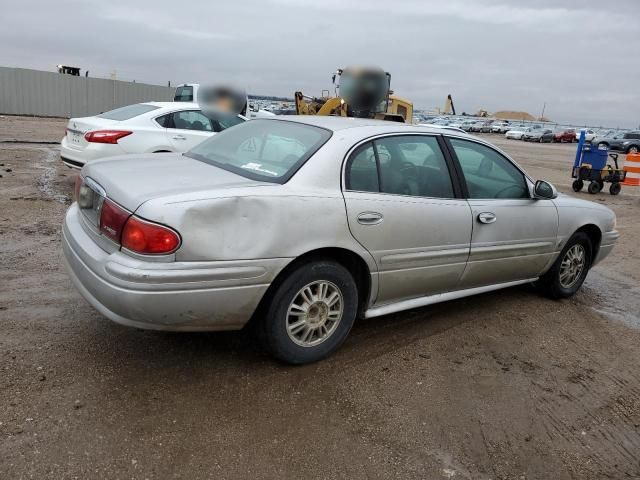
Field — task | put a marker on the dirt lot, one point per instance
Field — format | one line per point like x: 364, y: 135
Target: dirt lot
x: 506, y: 385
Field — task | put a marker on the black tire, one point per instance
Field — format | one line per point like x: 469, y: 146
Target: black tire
x: 594, y: 187
x: 549, y: 283
x: 274, y: 334
x: 615, y: 188
x: 577, y: 185
x: 633, y: 149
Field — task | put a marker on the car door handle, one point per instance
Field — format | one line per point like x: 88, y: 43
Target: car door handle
x: 487, y: 217
x: 179, y: 137
x: 370, y: 218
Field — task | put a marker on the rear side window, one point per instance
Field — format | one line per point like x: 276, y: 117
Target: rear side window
x: 401, y: 165
x: 191, y: 120
x: 183, y: 94
x: 128, y: 112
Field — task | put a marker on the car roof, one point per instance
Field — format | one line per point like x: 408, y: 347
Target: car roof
x: 335, y: 123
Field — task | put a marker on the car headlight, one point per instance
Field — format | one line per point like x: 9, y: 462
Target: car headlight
x: 626, y: 143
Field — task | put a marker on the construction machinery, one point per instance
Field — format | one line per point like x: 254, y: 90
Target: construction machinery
x: 361, y: 93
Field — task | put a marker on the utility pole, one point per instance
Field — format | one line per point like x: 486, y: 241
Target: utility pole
x: 544, y: 106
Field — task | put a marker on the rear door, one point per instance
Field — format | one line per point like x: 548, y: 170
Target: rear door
x: 405, y: 209
x: 188, y: 128
x: 514, y: 235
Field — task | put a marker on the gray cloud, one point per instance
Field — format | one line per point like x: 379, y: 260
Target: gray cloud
x: 579, y: 57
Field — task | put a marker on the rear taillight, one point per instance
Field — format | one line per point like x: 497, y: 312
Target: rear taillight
x: 149, y: 238
x: 112, y: 220
x: 136, y: 234
x: 106, y: 136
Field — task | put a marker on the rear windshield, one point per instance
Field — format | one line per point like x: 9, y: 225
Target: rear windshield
x: 265, y: 150
x: 130, y: 111
x: 183, y: 94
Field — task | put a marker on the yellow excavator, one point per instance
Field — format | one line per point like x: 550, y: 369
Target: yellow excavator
x: 361, y: 93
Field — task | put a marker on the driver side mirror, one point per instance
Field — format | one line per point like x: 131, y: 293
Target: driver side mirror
x: 544, y: 190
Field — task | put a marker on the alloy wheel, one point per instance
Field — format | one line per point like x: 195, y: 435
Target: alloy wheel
x: 572, y: 265
x: 314, y: 313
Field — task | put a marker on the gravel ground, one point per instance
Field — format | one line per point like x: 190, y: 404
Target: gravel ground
x: 506, y: 385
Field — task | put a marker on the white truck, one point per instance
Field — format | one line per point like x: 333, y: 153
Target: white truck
x: 188, y: 92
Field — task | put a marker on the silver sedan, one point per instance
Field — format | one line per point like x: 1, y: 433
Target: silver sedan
x: 301, y: 225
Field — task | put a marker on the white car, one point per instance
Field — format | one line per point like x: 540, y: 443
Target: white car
x: 151, y: 127
x: 500, y: 127
x: 588, y: 134
x: 515, y: 134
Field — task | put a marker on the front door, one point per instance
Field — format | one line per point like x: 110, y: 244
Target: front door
x: 402, y: 207
x: 514, y: 236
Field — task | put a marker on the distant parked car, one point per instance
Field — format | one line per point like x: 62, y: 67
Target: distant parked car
x: 476, y: 127
x: 564, y: 135
x: 466, y: 126
x: 500, y: 127
x: 542, y: 135
x: 515, y: 134
x: 589, y: 134
x: 628, y: 142
x: 151, y: 127
x: 486, y: 126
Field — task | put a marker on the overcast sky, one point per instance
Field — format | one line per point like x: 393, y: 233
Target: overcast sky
x: 580, y: 57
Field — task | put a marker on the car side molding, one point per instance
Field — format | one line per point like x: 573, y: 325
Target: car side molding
x: 440, y: 297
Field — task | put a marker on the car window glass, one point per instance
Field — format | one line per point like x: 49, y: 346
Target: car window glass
x: 192, y: 120
x: 487, y: 173
x: 128, y: 112
x: 362, y: 173
x: 269, y: 150
x: 164, y: 120
x: 183, y: 94
x: 413, y: 165
x: 220, y: 121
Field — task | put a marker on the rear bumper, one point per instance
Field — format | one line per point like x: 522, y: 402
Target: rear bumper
x: 177, y: 296
x: 77, y: 157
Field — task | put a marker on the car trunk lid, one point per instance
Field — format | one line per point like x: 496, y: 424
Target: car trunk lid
x: 132, y: 180
x: 77, y: 127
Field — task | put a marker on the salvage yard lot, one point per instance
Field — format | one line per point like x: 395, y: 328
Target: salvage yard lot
x: 507, y: 385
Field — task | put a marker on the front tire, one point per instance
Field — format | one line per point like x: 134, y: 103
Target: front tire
x: 310, y: 313
x: 633, y: 149
x: 567, y: 274
x: 577, y: 185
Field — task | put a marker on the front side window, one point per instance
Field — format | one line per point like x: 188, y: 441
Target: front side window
x: 265, y: 150
x: 401, y: 165
x: 487, y: 173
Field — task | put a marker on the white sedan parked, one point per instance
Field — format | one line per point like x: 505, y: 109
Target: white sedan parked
x: 141, y: 128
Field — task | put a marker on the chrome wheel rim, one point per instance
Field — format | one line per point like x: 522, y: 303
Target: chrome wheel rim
x: 572, y: 266
x: 314, y: 313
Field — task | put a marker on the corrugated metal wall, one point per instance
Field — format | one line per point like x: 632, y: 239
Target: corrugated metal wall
x: 33, y: 92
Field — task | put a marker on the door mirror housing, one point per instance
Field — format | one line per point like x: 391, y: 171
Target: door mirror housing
x: 544, y: 190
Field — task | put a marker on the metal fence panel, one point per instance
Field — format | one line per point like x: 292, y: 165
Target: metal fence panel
x: 33, y: 92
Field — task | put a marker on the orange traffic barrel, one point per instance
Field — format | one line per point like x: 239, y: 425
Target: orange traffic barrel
x: 632, y: 167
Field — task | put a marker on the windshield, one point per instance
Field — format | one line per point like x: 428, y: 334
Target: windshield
x: 265, y: 150
x: 128, y: 112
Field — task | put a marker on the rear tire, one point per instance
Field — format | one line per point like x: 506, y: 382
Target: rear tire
x: 567, y: 274
x: 615, y: 188
x: 633, y: 149
x: 594, y: 187
x: 310, y: 313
